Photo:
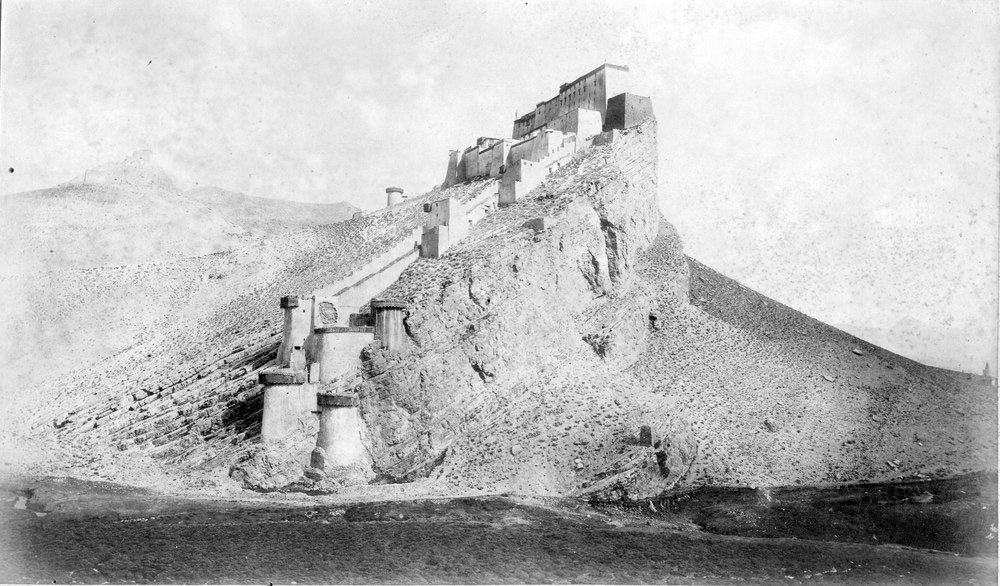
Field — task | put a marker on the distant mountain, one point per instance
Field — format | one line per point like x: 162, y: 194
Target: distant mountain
x: 263, y: 214
x: 119, y: 254
x: 132, y: 212
x: 139, y: 170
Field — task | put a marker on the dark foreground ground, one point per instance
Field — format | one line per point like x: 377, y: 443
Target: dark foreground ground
x: 65, y: 531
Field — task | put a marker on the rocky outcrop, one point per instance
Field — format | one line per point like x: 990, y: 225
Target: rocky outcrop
x: 539, y: 347
x: 266, y: 469
x: 518, y: 302
x: 536, y: 350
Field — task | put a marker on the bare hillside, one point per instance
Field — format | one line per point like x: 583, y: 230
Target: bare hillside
x: 169, y: 368
x: 262, y: 216
x: 116, y: 263
x: 536, y: 348
x: 536, y: 358
x: 96, y: 265
x: 775, y: 396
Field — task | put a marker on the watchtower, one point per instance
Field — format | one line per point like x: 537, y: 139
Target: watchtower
x: 340, y: 450
x: 393, y: 196
x: 295, y: 330
x: 389, y: 322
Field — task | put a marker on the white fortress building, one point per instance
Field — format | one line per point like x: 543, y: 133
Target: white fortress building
x: 555, y: 130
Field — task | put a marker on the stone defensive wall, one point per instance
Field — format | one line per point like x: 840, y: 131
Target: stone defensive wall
x: 325, y: 359
x: 282, y: 353
x: 324, y: 370
x: 324, y: 335
x: 199, y: 407
x: 354, y: 292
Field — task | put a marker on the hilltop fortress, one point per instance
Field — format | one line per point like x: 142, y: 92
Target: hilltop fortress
x: 587, y: 111
x: 541, y: 140
x: 324, y: 334
x: 475, y: 338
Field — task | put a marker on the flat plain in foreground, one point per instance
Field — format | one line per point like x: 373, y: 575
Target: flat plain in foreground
x: 148, y: 538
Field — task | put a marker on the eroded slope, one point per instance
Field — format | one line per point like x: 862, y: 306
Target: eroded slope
x: 537, y: 356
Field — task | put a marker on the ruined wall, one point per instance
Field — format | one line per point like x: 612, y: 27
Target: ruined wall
x: 354, y: 291
x: 477, y: 208
x: 358, y: 295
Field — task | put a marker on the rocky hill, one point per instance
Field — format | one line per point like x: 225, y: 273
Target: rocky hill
x: 537, y: 356
x: 536, y: 349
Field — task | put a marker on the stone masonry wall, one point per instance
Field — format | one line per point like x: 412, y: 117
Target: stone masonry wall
x: 194, y: 403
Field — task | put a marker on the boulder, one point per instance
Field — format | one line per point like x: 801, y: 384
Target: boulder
x: 265, y: 469
x: 315, y: 474
x: 318, y: 458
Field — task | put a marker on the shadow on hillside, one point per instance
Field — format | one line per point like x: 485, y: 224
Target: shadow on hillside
x: 244, y: 416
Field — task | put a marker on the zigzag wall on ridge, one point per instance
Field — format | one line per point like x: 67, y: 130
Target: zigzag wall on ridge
x: 202, y: 411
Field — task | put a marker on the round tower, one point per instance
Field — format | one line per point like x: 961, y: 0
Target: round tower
x: 294, y: 332
x: 389, y: 314
x: 393, y: 196
x: 340, y: 450
x: 288, y: 404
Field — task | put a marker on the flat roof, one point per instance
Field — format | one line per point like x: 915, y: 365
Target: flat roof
x: 565, y: 85
x: 593, y: 71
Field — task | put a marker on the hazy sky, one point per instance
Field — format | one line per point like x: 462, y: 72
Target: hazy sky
x: 841, y: 157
